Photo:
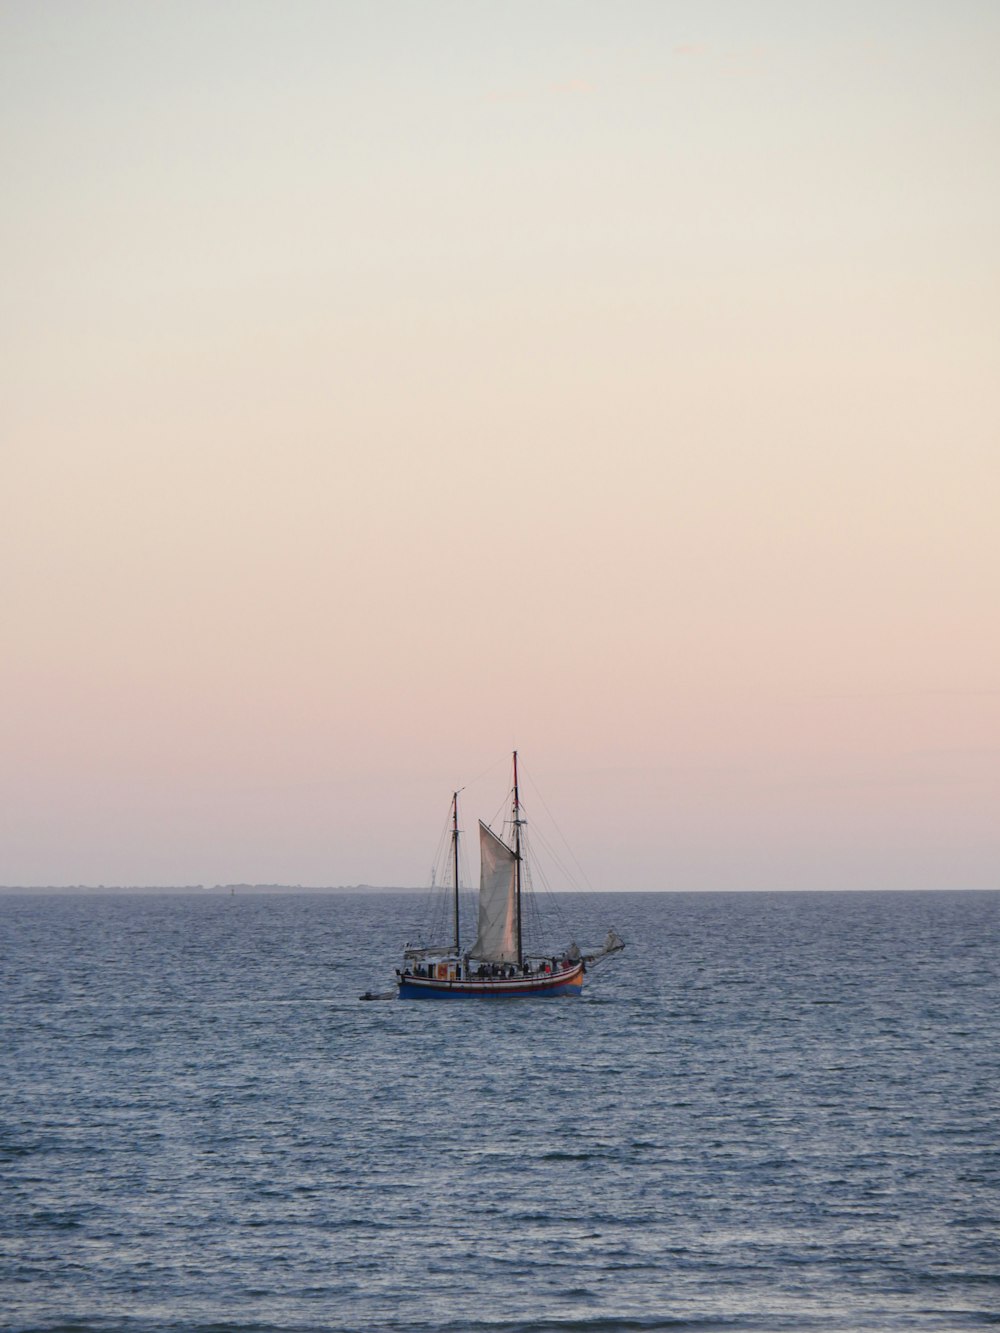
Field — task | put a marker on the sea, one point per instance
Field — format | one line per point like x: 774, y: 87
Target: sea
x: 773, y: 1111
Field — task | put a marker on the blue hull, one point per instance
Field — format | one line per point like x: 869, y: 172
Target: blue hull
x: 513, y: 988
x: 426, y: 993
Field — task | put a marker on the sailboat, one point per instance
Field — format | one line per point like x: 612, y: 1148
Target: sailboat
x: 498, y: 964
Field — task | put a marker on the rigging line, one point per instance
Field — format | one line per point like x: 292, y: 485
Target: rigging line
x: 555, y: 825
x: 464, y: 873
x: 429, y: 903
x: 546, y: 899
x: 556, y: 859
x: 485, y: 774
x: 552, y: 918
x: 500, y: 818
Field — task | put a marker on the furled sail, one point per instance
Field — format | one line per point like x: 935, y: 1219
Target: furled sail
x: 497, y: 938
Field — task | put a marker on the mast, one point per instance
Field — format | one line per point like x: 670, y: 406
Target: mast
x: 454, y: 846
x: 517, y: 863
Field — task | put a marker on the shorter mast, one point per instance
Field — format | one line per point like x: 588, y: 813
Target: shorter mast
x: 454, y: 844
x: 517, y: 864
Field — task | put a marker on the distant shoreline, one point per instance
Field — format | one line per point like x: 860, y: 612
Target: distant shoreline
x: 206, y: 890
x: 288, y: 890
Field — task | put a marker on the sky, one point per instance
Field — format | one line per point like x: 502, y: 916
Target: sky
x: 384, y: 386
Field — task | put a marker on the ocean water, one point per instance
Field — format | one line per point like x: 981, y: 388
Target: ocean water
x: 772, y: 1112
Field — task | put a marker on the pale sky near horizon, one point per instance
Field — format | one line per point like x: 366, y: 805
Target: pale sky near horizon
x: 383, y: 385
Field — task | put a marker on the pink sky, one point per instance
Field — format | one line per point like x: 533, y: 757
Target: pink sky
x: 387, y: 385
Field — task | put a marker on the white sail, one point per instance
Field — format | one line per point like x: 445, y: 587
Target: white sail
x: 497, y: 938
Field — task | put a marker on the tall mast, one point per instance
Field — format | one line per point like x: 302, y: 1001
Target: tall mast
x: 454, y: 846
x: 517, y: 863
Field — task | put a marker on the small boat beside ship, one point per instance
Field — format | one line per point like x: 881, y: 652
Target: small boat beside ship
x: 500, y: 963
